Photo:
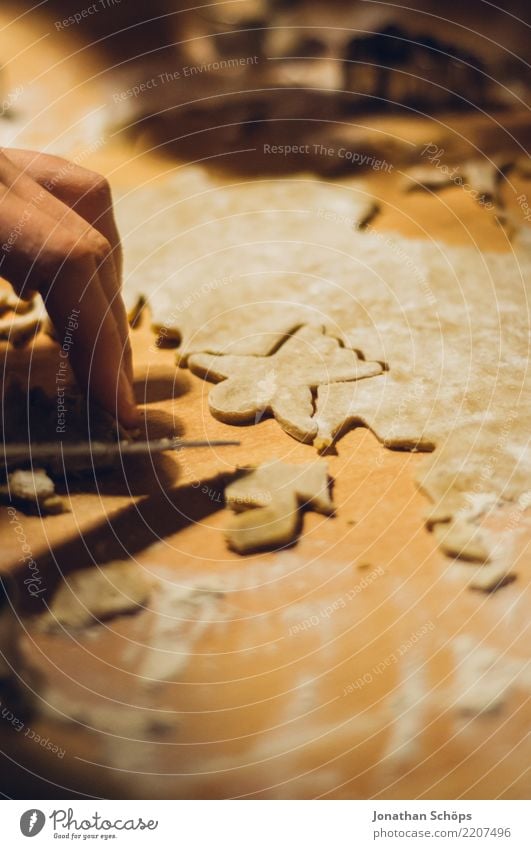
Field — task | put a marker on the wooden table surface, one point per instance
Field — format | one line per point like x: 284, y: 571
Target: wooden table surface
x: 338, y: 668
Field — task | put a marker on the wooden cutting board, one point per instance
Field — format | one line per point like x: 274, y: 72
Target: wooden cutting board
x: 339, y: 668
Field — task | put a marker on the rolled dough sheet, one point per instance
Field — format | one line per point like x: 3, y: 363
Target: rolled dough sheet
x: 233, y: 269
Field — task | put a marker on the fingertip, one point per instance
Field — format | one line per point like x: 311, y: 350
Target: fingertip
x: 135, y: 415
x: 130, y: 417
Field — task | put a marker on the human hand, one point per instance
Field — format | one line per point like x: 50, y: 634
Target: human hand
x: 58, y: 237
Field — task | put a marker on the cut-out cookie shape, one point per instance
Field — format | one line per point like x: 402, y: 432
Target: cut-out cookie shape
x: 342, y: 405
x: 269, y: 500
x: 281, y: 384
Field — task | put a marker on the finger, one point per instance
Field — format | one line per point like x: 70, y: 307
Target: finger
x: 85, y: 191
x: 63, y: 186
x: 45, y: 257
x: 89, y: 195
x: 24, y: 233
x: 96, y: 352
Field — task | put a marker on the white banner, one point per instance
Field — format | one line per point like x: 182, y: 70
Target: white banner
x: 267, y: 824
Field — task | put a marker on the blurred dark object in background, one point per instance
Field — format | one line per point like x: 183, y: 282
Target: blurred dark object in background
x: 213, y: 81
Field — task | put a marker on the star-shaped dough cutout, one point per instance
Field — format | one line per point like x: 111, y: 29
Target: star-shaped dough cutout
x: 269, y: 501
x: 281, y: 384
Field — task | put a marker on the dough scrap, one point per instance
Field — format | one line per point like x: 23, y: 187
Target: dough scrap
x: 32, y: 488
x: 10, y: 301
x: 268, y: 500
x: 482, y: 175
x: 462, y: 539
x: 282, y: 383
x: 89, y: 595
x: 26, y: 320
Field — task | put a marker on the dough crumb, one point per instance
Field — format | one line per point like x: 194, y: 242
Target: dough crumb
x: 33, y: 488
x: 463, y: 540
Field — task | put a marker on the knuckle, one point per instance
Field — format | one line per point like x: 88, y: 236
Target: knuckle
x: 70, y: 251
x: 98, y: 246
x: 99, y: 188
x: 64, y: 254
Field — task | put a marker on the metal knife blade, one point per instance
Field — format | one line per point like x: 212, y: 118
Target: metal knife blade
x: 40, y: 452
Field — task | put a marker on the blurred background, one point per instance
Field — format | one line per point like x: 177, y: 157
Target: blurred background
x: 228, y: 78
